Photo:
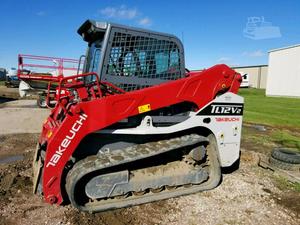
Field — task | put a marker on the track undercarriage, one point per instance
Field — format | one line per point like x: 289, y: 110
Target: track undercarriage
x: 144, y: 173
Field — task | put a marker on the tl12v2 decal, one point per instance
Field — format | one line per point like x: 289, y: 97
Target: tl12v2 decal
x: 222, y: 109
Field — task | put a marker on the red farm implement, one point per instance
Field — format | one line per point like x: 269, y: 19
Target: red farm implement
x: 40, y: 75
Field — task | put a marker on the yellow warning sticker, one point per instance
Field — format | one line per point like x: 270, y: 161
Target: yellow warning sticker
x: 144, y: 108
x: 49, y: 134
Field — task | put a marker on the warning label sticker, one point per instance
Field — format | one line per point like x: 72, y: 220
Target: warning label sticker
x: 144, y: 108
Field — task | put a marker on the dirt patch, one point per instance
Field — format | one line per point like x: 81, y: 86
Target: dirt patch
x: 152, y: 213
x: 257, y: 140
x: 15, y: 175
x: 6, y: 92
x: 17, y: 144
x: 289, y: 200
x: 18, y: 205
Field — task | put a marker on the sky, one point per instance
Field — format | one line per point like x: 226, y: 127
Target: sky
x: 212, y: 31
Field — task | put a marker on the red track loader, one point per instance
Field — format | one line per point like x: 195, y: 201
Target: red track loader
x: 137, y: 126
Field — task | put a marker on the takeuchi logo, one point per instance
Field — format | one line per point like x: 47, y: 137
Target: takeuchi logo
x: 67, y: 140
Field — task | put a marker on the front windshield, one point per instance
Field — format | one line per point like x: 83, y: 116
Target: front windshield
x: 93, y: 58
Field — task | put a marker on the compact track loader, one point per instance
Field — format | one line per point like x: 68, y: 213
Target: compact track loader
x: 137, y: 126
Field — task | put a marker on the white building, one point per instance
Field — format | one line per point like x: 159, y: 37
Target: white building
x: 257, y: 75
x: 284, y: 72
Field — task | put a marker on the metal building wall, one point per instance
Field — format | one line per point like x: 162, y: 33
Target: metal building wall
x: 257, y: 75
x: 284, y: 72
x: 264, y: 77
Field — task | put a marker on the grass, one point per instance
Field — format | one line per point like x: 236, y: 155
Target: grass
x: 284, y: 138
x: 283, y: 183
x: 273, y: 111
x: 2, y: 83
x: 274, y: 137
x: 282, y: 114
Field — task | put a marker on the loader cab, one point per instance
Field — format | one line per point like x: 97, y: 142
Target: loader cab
x: 131, y: 58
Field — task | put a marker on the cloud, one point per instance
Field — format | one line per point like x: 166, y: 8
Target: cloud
x: 125, y: 13
x: 41, y: 13
x: 257, y: 53
x: 228, y: 61
x: 145, y: 21
x: 122, y: 12
x: 224, y: 60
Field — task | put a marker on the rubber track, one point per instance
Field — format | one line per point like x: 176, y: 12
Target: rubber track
x: 123, y: 156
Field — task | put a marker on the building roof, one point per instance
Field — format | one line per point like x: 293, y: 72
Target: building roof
x: 250, y: 66
x: 284, y: 48
x: 239, y: 67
